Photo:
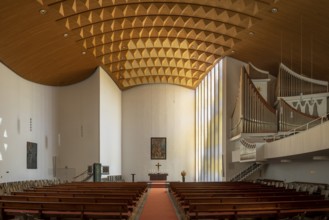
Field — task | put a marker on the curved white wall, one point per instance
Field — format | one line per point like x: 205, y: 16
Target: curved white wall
x: 78, y: 113
x: 22, y: 101
x: 158, y: 111
x: 89, y: 125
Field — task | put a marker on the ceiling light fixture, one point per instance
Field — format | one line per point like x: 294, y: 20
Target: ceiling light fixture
x: 43, y: 11
x: 83, y: 52
x: 274, y: 10
x: 66, y: 35
x: 251, y: 33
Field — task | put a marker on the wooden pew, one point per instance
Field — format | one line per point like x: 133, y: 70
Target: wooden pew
x: 126, y: 200
x: 75, y: 194
x: 216, y: 200
x: 81, y: 200
x: 274, y: 209
x: 135, y: 193
x: 184, y: 205
x: 64, y: 210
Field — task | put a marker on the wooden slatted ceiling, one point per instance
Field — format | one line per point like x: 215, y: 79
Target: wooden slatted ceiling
x: 159, y: 41
x: 33, y: 46
x: 140, y: 42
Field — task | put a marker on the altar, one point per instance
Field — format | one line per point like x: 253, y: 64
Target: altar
x: 158, y: 176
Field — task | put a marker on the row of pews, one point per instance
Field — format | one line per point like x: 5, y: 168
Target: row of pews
x: 239, y: 200
x: 8, y: 187
x: 310, y: 187
x: 77, y: 200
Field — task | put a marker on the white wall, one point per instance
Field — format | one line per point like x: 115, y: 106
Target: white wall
x: 303, y: 171
x: 110, y: 123
x: 158, y: 111
x: 78, y: 113
x: 20, y: 102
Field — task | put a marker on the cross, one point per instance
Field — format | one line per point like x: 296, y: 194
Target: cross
x: 158, y: 165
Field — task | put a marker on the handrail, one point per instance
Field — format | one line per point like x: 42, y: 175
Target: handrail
x: 246, y: 172
x: 80, y: 174
x: 293, y: 131
x: 290, y: 118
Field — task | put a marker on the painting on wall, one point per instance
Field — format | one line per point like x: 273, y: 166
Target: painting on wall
x: 31, y: 152
x: 158, y: 148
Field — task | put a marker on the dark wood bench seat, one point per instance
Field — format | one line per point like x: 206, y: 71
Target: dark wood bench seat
x: 136, y: 194
x: 142, y: 187
x: 137, y: 191
x: 73, y: 194
x: 245, y: 200
x: 241, y: 194
x: 184, y: 204
x: 64, y: 210
x: 256, y: 209
x: 127, y: 200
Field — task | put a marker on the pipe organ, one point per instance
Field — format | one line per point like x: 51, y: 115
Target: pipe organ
x: 252, y: 114
x: 263, y: 81
x: 293, y: 84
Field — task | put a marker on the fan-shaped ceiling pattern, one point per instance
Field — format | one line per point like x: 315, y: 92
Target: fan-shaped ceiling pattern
x: 156, y: 41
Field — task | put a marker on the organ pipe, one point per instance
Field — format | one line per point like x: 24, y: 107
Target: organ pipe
x: 293, y: 84
x: 290, y: 118
x: 252, y: 114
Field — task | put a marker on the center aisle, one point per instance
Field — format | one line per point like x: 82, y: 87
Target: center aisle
x: 158, y: 206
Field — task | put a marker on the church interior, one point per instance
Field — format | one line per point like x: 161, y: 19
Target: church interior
x: 185, y: 94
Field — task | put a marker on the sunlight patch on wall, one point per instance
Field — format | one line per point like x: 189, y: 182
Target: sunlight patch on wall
x: 5, y: 134
x: 5, y: 146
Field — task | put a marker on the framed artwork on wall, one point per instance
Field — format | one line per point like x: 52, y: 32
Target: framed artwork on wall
x: 158, y: 148
x: 31, y: 155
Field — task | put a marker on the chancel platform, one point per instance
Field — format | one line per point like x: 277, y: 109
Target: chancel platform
x: 158, y: 176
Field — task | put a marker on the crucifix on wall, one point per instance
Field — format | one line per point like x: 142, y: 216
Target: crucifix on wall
x: 158, y: 165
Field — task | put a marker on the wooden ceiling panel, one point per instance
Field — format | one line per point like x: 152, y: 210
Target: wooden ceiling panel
x: 150, y: 34
x: 34, y: 46
x: 157, y: 41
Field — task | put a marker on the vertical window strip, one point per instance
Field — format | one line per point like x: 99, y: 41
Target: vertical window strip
x: 206, y: 132
x: 213, y: 159
x: 202, y: 132
x: 209, y: 146
x: 216, y: 129
x: 221, y: 117
x: 209, y: 128
x: 197, y: 135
